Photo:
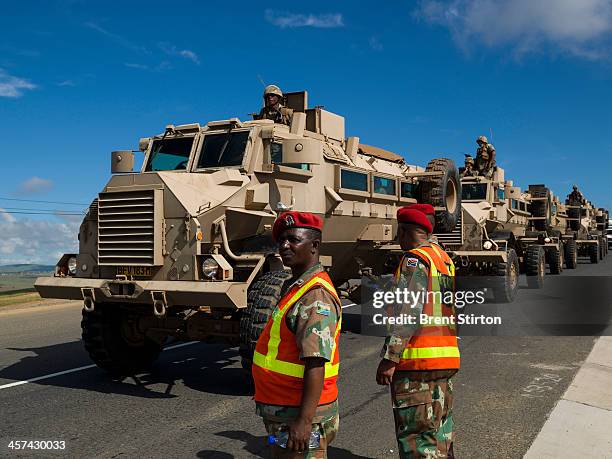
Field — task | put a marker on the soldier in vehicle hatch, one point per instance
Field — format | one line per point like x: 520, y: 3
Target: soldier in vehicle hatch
x: 273, y: 108
x: 468, y: 170
x: 576, y: 195
x: 485, y: 157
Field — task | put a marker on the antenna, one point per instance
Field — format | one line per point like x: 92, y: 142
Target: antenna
x: 261, y: 80
x: 491, y: 132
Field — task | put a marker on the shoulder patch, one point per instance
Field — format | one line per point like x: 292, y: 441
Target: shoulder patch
x: 411, y: 262
x: 322, y: 308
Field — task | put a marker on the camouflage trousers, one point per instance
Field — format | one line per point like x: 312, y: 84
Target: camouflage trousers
x: 423, y: 413
x: 328, y: 429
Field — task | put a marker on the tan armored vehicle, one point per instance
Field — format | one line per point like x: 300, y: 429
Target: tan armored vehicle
x: 585, y: 224
x: 183, y: 247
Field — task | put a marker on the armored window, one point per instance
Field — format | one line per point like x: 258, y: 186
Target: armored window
x: 474, y: 191
x: 408, y: 190
x: 353, y: 180
x: 383, y: 185
x: 523, y: 206
x: 220, y: 150
x: 276, y: 156
x: 500, y: 194
x: 169, y: 154
x: 554, y: 209
x: 514, y: 204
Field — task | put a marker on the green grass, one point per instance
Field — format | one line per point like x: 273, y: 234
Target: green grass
x: 7, y: 299
x: 12, y: 283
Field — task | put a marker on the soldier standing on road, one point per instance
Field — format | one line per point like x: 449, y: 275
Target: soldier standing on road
x: 418, y: 361
x: 485, y: 157
x: 296, y: 361
x: 273, y: 108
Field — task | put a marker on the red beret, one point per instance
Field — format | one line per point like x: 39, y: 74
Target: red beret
x: 292, y: 219
x: 409, y: 214
x: 427, y: 209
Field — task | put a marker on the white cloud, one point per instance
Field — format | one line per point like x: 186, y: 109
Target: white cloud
x: 36, y: 241
x: 67, y: 83
x: 577, y: 27
x: 6, y: 217
x: 35, y: 185
x: 375, y: 44
x: 291, y: 20
x: 12, y: 86
x: 172, y: 50
x: 136, y: 66
x: 120, y: 40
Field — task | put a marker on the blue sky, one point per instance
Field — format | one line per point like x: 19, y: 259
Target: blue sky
x: 79, y: 79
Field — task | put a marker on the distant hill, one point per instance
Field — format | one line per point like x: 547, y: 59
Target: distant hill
x: 26, y: 268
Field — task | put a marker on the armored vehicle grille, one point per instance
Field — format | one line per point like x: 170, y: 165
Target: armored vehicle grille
x: 453, y: 239
x: 126, y: 228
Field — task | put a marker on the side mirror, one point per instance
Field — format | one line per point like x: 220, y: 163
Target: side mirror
x: 122, y: 162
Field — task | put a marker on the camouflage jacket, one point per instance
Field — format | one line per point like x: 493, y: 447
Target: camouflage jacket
x: 413, y: 277
x: 282, y: 116
x: 313, y: 320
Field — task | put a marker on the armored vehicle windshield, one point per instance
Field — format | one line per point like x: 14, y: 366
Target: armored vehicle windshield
x: 473, y: 191
x: 221, y: 150
x: 169, y: 154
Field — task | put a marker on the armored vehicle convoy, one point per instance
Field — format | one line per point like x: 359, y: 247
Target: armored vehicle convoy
x: 585, y: 224
x: 183, y: 246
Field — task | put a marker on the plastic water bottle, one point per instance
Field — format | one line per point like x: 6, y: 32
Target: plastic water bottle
x: 282, y: 438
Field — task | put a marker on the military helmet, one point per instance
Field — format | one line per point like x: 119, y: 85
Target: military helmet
x: 273, y: 89
x: 469, y: 159
x: 482, y: 139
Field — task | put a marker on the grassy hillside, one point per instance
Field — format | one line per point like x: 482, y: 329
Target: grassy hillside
x: 26, y: 268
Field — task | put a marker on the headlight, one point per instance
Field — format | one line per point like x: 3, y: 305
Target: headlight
x: 547, y: 240
x: 210, y: 268
x: 487, y: 245
x: 72, y: 266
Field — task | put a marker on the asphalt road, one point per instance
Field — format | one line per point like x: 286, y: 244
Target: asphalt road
x: 194, y: 403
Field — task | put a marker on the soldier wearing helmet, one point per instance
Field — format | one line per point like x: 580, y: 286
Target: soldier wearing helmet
x: 273, y: 108
x: 485, y: 157
x: 468, y: 170
x: 576, y: 196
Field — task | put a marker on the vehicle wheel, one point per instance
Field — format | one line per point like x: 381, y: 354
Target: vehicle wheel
x: 262, y: 298
x: 535, y: 266
x: 541, y: 208
x: 594, y: 253
x: 601, y: 248
x: 443, y: 191
x: 505, y: 286
x: 555, y: 260
x: 115, y: 342
x: 571, y: 254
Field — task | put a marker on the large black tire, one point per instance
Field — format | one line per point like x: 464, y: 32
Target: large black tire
x: 505, y: 286
x: 594, y: 253
x: 110, y: 345
x: 443, y: 191
x: 535, y: 266
x: 571, y: 254
x: 541, y: 208
x: 262, y: 298
x: 555, y: 260
x: 601, y: 248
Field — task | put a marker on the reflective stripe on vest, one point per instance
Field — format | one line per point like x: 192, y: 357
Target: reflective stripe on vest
x: 433, y: 346
x: 270, y: 361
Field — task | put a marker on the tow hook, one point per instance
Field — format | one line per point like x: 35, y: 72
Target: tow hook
x: 159, y: 304
x: 88, y: 299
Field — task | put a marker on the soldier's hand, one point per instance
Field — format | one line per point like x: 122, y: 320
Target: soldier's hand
x: 385, y: 371
x: 299, y: 435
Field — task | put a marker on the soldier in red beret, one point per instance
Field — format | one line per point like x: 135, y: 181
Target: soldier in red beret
x: 430, y: 213
x: 296, y: 361
x: 425, y: 354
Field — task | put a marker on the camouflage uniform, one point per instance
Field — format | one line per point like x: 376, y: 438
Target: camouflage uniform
x: 468, y: 170
x: 422, y: 400
x: 485, y: 157
x: 283, y: 115
x: 313, y: 319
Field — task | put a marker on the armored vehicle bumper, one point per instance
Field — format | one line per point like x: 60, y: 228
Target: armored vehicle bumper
x: 172, y: 293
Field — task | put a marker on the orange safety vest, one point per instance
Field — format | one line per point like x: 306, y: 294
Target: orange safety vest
x: 432, y: 347
x: 277, y: 369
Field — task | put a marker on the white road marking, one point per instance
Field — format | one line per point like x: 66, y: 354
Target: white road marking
x: 350, y: 305
x: 74, y: 370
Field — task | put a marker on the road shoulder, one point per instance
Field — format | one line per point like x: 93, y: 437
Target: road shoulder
x: 580, y: 423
